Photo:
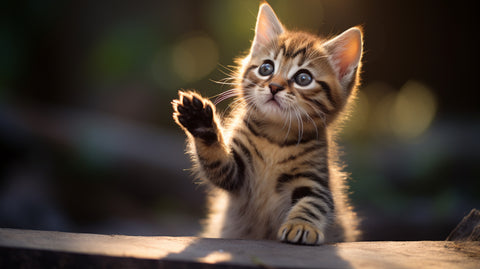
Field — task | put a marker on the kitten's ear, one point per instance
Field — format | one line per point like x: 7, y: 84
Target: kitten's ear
x: 268, y: 28
x: 345, y: 53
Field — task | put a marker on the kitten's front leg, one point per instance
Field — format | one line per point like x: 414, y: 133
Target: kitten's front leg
x: 307, y: 220
x: 216, y: 162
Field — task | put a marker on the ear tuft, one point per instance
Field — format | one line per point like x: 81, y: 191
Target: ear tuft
x: 267, y: 29
x: 345, y: 53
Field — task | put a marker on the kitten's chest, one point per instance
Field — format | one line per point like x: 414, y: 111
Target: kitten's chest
x: 263, y: 192
x: 273, y: 161
x: 268, y: 161
x: 272, y: 157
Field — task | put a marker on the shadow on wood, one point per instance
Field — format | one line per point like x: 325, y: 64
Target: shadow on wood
x: 266, y: 254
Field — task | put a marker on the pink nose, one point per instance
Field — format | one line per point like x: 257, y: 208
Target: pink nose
x: 274, y: 88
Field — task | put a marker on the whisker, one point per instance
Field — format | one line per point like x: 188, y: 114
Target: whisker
x: 299, y: 125
x: 320, y: 113
x: 225, y: 82
x: 226, y: 94
x: 230, y: 68
x: 310, y: 118
x: 233, y: 73
x: 302, y: 128
x: 289, y: 124
x: 234, y: 103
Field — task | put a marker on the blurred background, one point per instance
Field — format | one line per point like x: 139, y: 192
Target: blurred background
x: 88, y: 143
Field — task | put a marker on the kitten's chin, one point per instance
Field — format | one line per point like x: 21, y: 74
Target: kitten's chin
x: 273, y: 110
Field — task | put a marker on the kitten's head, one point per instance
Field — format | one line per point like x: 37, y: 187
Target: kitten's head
x: 295, y: 74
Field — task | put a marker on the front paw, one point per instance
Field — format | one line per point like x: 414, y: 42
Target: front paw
x: 300, y: 232
x: 195, y: 114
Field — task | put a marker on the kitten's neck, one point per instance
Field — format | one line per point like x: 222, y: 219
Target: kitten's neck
x: 288, y: 131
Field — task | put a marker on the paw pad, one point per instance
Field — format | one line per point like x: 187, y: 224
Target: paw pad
x: 195, y: 114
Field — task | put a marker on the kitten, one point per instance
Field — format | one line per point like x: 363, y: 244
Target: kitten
x: 272, y: 163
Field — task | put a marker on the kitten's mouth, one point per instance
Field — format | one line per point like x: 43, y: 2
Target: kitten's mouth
x: 274, y: 102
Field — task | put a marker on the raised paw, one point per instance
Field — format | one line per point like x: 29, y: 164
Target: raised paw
x: 300, y: 232
x: 195, y: 114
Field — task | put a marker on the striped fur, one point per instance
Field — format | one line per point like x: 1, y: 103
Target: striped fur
x: 272, y: 163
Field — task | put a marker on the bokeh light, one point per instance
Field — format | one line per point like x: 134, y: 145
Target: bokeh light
x: 413, y: 110
x: 382, y: 111
x: 194, y: 57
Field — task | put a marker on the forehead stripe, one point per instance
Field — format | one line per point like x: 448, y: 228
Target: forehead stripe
x: 290, y: 51
x: 304, y: 52
x: 282, y: 47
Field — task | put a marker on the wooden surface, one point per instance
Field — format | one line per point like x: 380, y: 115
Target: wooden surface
x: 33, y: 249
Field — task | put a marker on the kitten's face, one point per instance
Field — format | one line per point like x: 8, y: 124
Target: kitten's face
x: 291, y: 77
x: 295, y: 75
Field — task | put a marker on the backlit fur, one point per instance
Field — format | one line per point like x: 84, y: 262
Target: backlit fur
x: 272, y: 165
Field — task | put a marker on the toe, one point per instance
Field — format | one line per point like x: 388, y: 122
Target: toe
x: 197, y: 103
x: 181, y: 109
x: 300, y: 233
x: 185, y: 101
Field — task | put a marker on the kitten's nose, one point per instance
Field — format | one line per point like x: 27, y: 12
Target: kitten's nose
x: 274, y: 88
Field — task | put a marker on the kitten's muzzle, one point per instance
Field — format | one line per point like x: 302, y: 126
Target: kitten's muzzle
x: 274, y: 88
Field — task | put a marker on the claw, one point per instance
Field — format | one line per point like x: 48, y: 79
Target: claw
x: 284, y: 235
x: 300, y: 233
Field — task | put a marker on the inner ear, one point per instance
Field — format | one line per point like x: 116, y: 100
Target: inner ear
x: 345, y: 53
x: 267, y: 29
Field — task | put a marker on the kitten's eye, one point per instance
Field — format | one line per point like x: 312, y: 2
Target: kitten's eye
x: 303, y: 78
x: 266, y: 68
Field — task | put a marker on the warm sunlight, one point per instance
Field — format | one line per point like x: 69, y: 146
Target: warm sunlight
x: 380, y: 119
x: 216, y: 257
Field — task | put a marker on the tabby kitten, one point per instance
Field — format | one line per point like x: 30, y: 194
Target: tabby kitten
x: 272, y: 162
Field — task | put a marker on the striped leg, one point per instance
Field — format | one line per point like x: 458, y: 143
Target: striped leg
x: 220, y: 165
x: 312, y: 206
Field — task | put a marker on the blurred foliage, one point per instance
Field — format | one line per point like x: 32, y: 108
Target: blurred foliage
x: 85, y: 114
